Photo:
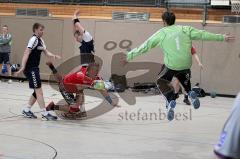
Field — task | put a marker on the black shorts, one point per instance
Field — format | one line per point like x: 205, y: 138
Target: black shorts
x: 87, y: 58
x: 33, y: 76
x: 183, y: 76
x: 4, y: 58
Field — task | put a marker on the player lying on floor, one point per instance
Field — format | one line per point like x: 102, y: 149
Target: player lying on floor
x: 74, y: 83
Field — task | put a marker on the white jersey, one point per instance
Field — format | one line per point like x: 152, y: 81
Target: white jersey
x: 87, y: 37
x: 33, y: 43
x: 87, y: 44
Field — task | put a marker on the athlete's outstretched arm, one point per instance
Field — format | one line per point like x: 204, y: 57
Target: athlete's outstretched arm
x: 76, y: 23
x: 153, y: 41
x: 196, y: 34
x: 106, y: 95
x: 51, y: 55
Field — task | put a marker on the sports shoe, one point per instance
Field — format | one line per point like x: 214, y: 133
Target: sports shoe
x: 75, y: 116
x: 170, y: 110
x: 194, y: 99
x: 49, y: 117
x: 29, y: 114
x: 80, y: 115
x: 83, y: 114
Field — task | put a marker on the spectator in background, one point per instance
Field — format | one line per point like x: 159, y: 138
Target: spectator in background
x: 5, y: 50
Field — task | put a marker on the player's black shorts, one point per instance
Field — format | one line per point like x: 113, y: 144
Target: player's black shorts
x: 87, y: 58
x: 33, y: 76
x: 183, y: 76
x: 4, y: 58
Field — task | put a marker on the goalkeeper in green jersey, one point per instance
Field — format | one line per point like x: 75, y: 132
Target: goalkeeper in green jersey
x: 176, y: 42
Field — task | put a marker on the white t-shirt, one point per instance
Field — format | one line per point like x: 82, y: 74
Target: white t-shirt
x: 87, y: 36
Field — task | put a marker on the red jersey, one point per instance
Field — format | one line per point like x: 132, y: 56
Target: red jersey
x: 193, y: 50
x: 71, y: 80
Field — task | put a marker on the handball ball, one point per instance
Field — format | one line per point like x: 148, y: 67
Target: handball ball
x: 213, y: 94
x: 108, y: 85
x: 99, y: 84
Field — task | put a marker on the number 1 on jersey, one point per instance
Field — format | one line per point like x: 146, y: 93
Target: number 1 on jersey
x: 177, y: 43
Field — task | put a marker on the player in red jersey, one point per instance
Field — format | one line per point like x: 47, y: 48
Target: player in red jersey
x: 74, y: 83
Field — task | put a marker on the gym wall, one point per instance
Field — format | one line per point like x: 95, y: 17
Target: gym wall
x: 112, y: 38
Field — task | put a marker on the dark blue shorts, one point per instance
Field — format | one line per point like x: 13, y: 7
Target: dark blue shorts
x: 33, y: 76
x: 4, y: 58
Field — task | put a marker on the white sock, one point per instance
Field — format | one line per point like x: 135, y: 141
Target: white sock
x: 82, y: 108
x: 27, y: 108
x: 44, y: 112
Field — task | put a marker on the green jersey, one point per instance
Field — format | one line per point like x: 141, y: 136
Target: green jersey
x: 176, y: 42
x: 5, y: 43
